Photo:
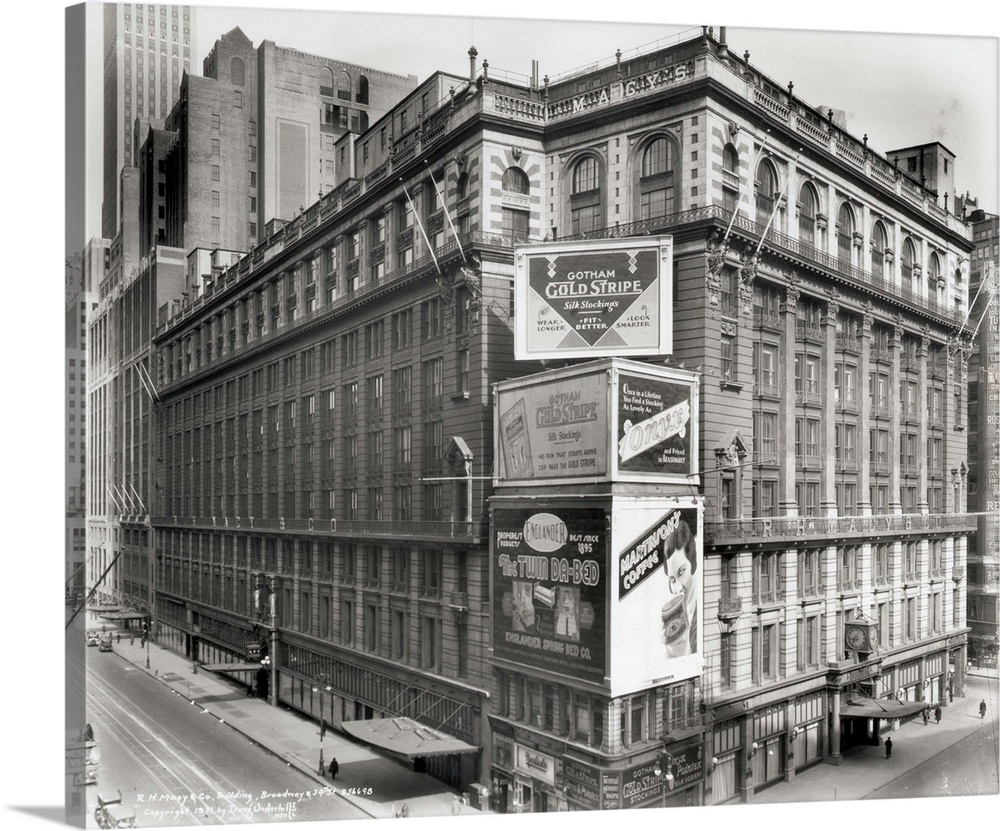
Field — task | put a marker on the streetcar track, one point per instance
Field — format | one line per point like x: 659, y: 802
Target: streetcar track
x: 124, y: 726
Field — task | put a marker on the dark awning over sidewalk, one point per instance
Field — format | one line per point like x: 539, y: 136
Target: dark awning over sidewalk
x: 245, y: 667
x: 882, y: 708
x: 124, y: 615
x: 406, y: 737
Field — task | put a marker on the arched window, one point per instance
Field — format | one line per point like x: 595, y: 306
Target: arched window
x: 515, y: 219
x: 585, y: 196
x: 514, y: 180
x: 656, y: 179
x: 585, y: 176
x: 730, y: 178
x: 878, y: 250
x: 807, y: 215
x: 327, y: 83
x: 730, y: 159
x: 906, y: 264
x: 933, y: 274
x: 344, y: 85
x: 767, y: 191
x: 845, y: 234
x: 362, y: 90
x: 237, y: 72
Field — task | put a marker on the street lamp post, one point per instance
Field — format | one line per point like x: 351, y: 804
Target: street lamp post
x: 664, y: 771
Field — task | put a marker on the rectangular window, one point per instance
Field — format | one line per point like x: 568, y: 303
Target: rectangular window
x: 374, y: 396
x: 430, y: 319
x: 764, y: 648
x: 428, y: 643
x: 373, y: 340
x: 346, y: 622
x: 430, y: 573
x: 766, y: 577
x: 809, y: 572
x: 725, y: 661
x: 401, y: 389
x: 848, y: 568
x: 398, y: 623
x: 728, y: 357
x: 910, y: 561
x: 400, y: 569
x: 514, y: 224
x: 401, y: 329
x: 433, y: 382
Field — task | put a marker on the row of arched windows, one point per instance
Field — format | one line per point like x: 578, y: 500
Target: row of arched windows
x: 341, y: 85
x: 657, y: 190
x: 809, y: 233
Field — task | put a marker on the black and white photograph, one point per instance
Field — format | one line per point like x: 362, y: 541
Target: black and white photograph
x: 466, y: 411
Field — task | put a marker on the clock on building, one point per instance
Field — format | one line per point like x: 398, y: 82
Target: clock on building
x: 859, y: 635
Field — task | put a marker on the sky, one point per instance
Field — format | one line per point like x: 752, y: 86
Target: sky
x: 900, y: 89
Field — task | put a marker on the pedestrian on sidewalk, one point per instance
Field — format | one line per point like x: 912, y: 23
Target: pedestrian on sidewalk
x: 334, y: 767
x: 119, y: 637
x: 927, y: 715
x: 937, y: 713
x: 888, y: 748
x: 982, y: 709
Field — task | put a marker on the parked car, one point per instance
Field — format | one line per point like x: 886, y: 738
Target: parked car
x: 93, y: 639
x: 105, y: 644
x: 110, y: 813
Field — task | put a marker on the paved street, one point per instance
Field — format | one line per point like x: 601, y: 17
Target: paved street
x: 967, y: 768
x: 176, y: 763
x: 371, y: 784
x: 865, y: 771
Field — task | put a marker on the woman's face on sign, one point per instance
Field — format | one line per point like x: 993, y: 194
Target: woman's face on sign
x: 679, y: 573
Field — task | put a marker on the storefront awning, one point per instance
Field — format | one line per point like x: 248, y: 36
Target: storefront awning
x: 244, y: 667
x: 124, y: 615
x: 881, y: 708
x: 406, y: 737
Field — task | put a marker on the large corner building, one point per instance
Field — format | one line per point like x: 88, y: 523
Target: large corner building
x: 321, y: 448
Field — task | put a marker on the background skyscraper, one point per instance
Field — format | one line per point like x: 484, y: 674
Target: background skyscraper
x: 147, y: 48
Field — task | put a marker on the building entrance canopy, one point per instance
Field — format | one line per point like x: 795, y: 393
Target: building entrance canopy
x: 406, y: 737
x: 881, y: 708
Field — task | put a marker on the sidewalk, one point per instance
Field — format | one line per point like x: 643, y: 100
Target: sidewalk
x: 865, y: 769
x: 295, y: 738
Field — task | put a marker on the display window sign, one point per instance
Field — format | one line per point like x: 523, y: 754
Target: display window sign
x: 535, y: 764
x: 549, y: 589
x: 656, y: 604
x: 582, y: 783
x: 593, y: 298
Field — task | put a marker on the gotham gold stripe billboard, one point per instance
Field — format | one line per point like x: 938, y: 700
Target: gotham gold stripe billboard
x: 593, y: 298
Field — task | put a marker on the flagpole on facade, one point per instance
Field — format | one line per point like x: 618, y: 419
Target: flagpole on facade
x: 447, y: 214
x: 421, y: 227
